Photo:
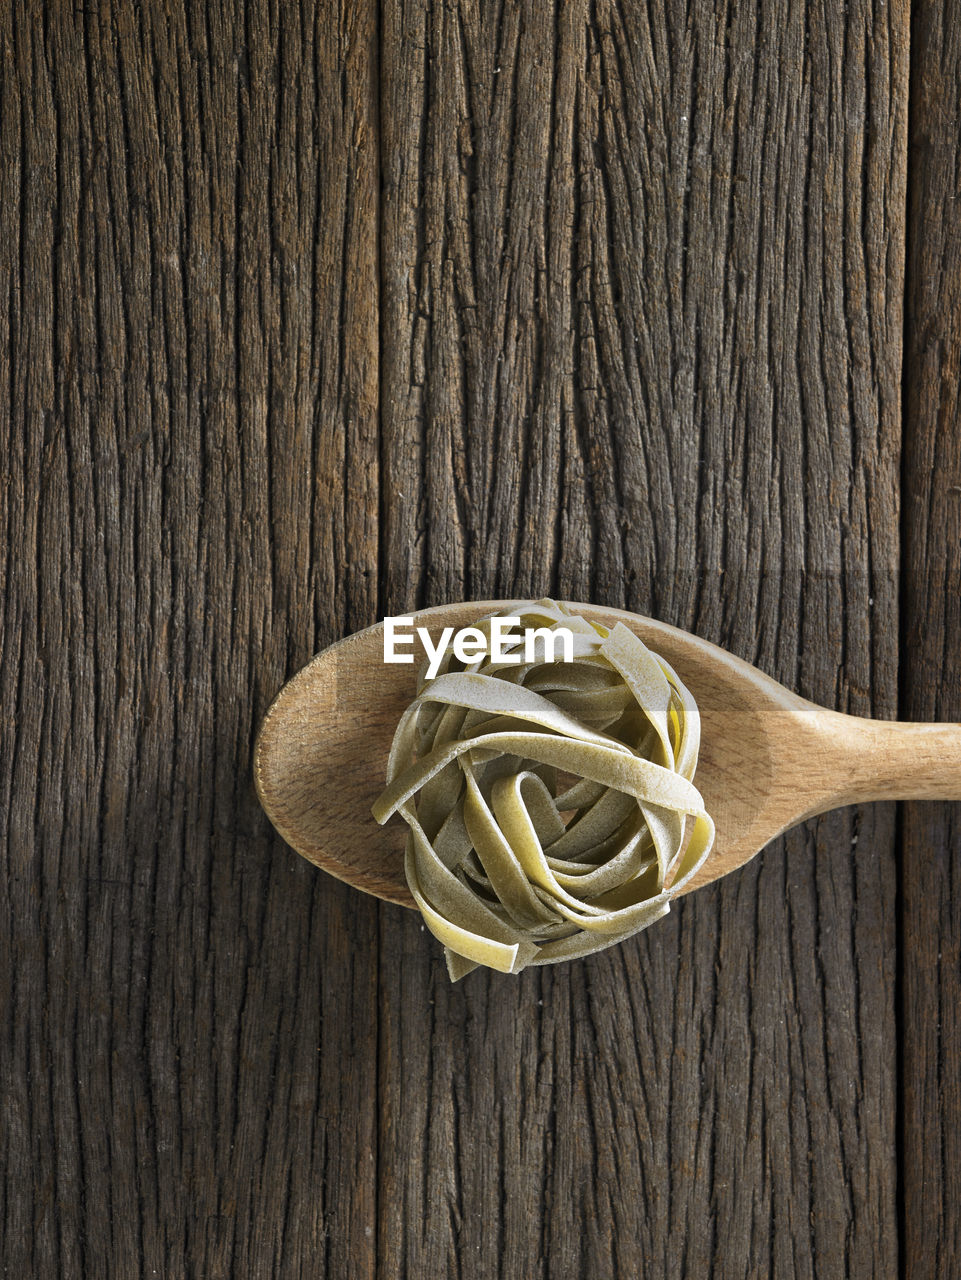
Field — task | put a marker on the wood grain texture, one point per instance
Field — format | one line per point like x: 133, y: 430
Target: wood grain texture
x: 643, y: 284
x: 931, y: 835
x: 188, y: 357
x: 310, y: 314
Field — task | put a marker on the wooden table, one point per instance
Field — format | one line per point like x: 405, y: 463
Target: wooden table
x: 315, y: 313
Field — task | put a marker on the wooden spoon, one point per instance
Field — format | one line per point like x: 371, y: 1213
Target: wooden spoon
x: 768, y: 758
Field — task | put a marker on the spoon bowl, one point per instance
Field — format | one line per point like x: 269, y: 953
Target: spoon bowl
x: 768, y: 759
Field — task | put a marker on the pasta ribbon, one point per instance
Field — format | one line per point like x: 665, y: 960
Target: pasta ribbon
x: 551, y: 805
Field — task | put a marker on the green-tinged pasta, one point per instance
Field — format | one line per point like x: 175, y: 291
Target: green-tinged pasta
x: 551, y: 805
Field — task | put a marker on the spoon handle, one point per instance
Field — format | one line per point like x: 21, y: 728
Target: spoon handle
x: 893, y: 760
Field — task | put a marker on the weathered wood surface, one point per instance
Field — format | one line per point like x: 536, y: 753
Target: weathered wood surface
x: 312, y: 314
x: 931, y: 641
x: 189, y: 335
x: 642, y: 278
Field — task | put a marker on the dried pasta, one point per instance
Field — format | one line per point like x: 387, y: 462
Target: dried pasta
x: 548, y: 802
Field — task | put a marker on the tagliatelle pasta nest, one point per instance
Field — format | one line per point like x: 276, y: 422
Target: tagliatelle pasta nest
x: 548, y: 802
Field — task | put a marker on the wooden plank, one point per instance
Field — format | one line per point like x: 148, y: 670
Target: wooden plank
x: 643, y: 282
x: 188, y: 357
x: 931, y: 685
